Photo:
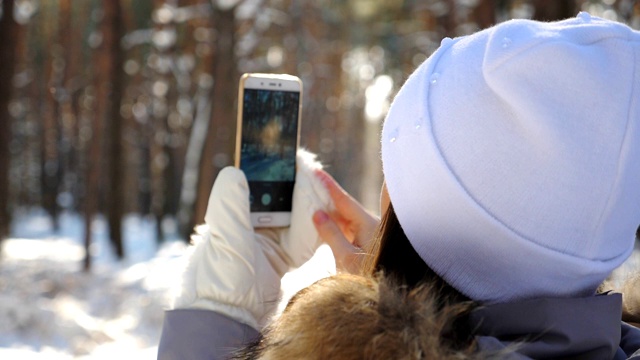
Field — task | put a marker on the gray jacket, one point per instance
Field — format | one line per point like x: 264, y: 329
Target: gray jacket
x: 577, y: 328
x: 580, y: 328
x: 201, y: 334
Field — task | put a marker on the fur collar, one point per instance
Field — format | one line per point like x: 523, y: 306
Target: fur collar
x: 355, y: 317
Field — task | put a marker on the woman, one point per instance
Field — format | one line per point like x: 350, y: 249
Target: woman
x: 509, y: 169
x: 511, y: 158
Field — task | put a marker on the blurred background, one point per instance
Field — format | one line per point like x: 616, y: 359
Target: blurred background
x: 116, y: 115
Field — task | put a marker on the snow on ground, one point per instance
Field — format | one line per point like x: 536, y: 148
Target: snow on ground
x: 51, y: 309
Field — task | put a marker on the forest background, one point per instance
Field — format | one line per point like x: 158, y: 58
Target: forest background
x: 116, y: 107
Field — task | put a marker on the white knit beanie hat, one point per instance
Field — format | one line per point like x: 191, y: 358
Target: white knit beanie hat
x: 512, y: 157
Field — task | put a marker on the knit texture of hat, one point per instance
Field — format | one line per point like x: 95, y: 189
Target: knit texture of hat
x: 512, y: 157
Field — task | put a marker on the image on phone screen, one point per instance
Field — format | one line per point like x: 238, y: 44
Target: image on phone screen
x: 268, y: 147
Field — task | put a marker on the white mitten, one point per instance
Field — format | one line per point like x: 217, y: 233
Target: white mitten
x: 235, y: 270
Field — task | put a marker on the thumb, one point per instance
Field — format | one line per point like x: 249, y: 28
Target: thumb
x: 348, y: 257
x: 229, y: 201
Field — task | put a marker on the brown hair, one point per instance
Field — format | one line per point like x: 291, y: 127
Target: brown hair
x: 392, y: 253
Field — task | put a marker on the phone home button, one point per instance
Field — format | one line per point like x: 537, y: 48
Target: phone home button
x: 265, y: 219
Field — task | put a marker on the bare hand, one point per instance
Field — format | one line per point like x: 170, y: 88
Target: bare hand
x: 347, y: 229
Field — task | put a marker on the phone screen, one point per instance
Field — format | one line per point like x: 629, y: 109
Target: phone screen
x: 268, y: 147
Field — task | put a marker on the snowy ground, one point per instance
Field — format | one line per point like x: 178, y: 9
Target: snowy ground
x: 50, y: 309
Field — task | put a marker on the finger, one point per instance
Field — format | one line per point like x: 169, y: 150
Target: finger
x: 346, y: 226
x: 228, y: 206
x: 356, y: 223
x: 345, y: 253
x: 343, y: 202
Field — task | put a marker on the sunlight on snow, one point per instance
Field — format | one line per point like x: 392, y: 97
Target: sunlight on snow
x: 56, y: 250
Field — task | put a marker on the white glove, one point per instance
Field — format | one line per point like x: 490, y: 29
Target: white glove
x: 235, y: 270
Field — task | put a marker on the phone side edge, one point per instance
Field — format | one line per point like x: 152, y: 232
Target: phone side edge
x: 239, y: 115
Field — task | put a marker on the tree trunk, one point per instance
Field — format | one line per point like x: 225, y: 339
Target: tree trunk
x: 159, y: 132
x: 449, y: 23
x: 188, y: 193
x: 51, y: 171
x: 220, y: 142
x: 8, y: 35
x: 551, y: 10
x: 92, y: 185
x: 104, y: 73
x: 114, y: 30
x: 198, y: 133
x: 485, y: 14
x: 71, y: 42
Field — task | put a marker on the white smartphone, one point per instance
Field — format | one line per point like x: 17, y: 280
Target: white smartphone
x: 266, y: 143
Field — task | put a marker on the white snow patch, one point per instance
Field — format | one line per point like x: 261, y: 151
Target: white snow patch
x: 51, y: 309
